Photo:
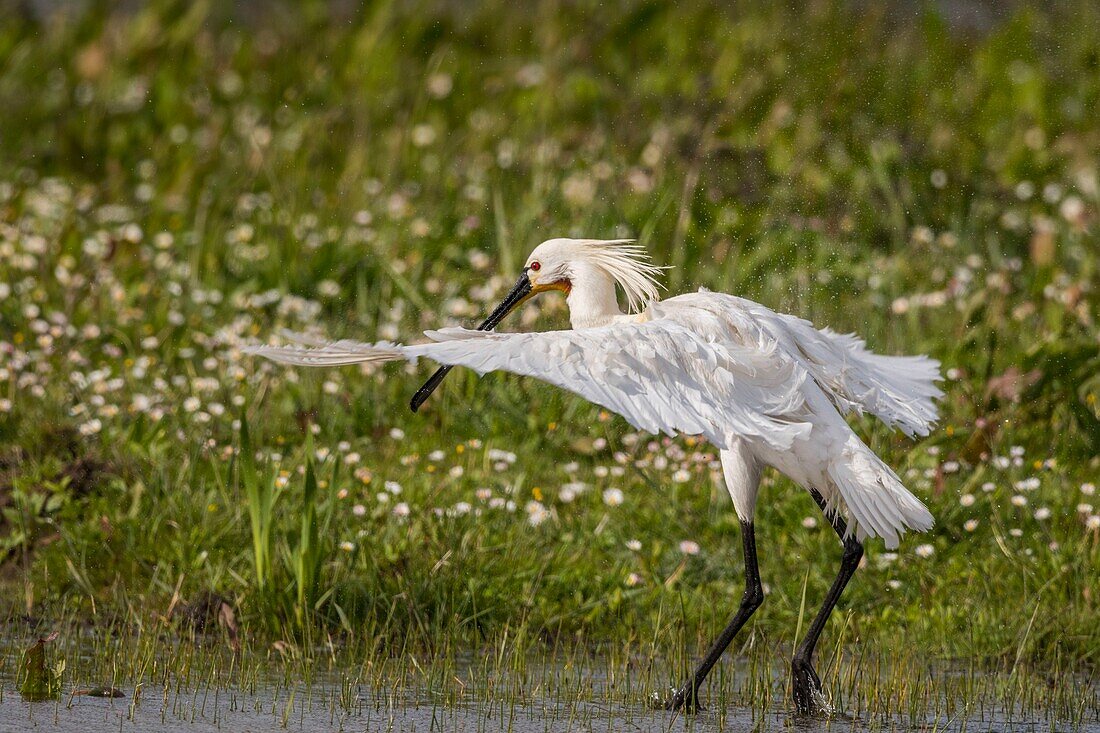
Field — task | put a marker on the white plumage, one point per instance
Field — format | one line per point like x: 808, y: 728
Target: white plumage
x: 765, y: 388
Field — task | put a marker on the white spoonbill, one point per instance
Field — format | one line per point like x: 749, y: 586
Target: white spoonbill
x: 766, y: 388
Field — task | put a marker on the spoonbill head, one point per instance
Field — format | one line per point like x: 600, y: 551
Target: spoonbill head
x: 767, y: 389
x: 587, y: 271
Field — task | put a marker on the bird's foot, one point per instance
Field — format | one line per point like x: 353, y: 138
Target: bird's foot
x: 681, y: 700
x: 806, y: 686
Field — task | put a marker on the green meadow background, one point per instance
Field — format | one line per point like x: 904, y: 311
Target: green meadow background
x: 180, y: 178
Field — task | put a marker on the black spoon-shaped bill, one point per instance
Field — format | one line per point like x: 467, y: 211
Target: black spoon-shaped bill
x: 519, y: 293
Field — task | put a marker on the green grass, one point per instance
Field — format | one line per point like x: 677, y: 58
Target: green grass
x: 176, y: 182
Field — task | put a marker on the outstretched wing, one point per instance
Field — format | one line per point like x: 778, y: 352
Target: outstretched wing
x: 661, y: 375
x: 899, y: 390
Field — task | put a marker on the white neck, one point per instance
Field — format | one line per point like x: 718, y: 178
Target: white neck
x: 591, y: 299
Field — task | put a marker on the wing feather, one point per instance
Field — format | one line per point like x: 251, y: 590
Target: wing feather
x: 662, y: 376
x: 899, y: 390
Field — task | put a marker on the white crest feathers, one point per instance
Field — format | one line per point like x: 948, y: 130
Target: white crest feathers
x: 628, y: 264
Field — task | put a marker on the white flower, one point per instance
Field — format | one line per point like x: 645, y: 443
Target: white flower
x: 1072, y: 209
x: 436, y: 455
x: 393, y: 487
x: 1084, y: 508
x: 358, y: 510
x: 925, y: 550
x: 1093, y: 522
x: 893, y: 584
x: 613, y: 497
x: 578, y: 189
x: 401, y: 510
x: 495, y: 454
x: 688, y: 547
x: 423, y: 135
x: 397, y: 434
x: 352, y: 458
x: 347, y: 546
x: 633, y: 579
x: 1019, y: 500
x: 633, y: 545
x: 91, y: 427
x: 809, y: 522
x: 1088, y: 489
x: 191, y: 404
x: 970, y: 525
x: 131, y: 233
x: 1042, y: 513
x: 483, y: 494
x: 681, y: 476
x: 536, y: 513
x: 988, y: 486
x: 440, y: 85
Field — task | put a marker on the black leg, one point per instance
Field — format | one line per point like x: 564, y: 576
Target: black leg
x: 804, y: 681
x: 687, y: 697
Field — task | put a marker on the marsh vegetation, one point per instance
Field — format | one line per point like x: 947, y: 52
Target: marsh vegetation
x: 178, y: 180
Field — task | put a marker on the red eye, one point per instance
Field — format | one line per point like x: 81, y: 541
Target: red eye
x: 536, y: 266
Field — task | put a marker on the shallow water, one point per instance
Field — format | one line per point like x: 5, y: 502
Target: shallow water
x: 329, y: 706
x: 176, y: 685
x: 206, y: 711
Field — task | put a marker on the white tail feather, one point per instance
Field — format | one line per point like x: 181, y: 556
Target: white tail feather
x: 878, y: 504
